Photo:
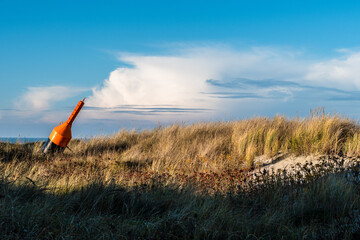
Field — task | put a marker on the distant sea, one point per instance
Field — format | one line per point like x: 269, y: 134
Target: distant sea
x: 21, y: 139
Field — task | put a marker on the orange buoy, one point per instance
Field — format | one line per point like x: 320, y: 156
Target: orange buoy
x: 61, y: 135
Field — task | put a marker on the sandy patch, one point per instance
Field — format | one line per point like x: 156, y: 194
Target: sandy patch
x: 287, y: 161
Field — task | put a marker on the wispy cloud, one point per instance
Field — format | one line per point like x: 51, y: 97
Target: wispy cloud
x: 342, y: 72
x: 42, y: 98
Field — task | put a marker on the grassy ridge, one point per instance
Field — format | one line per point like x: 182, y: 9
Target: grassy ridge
x: 217, y: 146
x: 187, y: 182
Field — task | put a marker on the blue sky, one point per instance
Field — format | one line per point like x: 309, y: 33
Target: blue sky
x: 145, y: 63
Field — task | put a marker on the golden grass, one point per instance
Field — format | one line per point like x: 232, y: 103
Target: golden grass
x: 201, y: 147
x: 218, y: 146
x: 159, y: 184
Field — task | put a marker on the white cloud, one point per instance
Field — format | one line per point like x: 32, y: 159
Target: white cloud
x: 341, y: 72
x: 42, y: 98
x: 181, y: 79
x: 174, y: 87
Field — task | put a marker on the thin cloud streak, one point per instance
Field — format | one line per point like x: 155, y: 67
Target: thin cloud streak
x: 242, y: 88
x: 146, y: 110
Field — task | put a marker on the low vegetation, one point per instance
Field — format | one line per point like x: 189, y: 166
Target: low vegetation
x: 188, y: 182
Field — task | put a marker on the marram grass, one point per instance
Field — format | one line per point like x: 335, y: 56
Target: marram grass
x: 216, y: 146
x: 187, y: 182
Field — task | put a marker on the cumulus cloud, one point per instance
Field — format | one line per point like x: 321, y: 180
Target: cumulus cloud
x: 181, y: 79
x: 189, y: 77
x: 42, y: 98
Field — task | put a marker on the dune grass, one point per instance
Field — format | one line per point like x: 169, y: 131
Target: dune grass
x: 222, y: 145
x: 187, y: 182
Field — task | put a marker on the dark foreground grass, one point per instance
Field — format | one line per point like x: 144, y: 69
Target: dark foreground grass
x: 311, y: 202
